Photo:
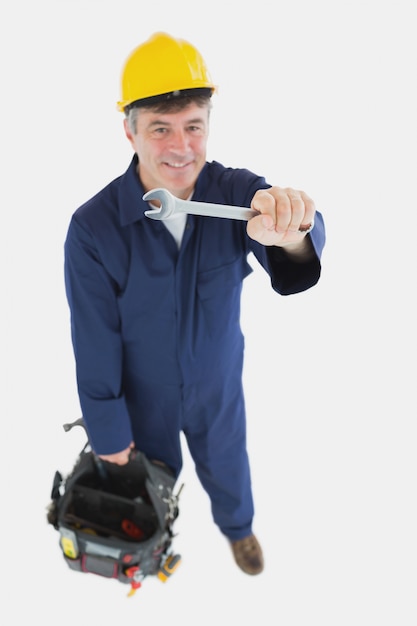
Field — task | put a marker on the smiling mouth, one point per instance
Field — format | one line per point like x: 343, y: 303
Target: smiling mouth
x: 176, y: 166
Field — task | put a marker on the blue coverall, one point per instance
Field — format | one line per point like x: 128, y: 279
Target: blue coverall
x: 156, y: 330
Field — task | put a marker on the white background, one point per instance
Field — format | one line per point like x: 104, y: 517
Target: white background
x: 320, y: 96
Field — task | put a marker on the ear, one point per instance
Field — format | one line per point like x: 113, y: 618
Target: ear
x: 128, y: 132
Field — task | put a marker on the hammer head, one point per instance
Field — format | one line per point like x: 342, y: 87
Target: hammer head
x: 167, y: 200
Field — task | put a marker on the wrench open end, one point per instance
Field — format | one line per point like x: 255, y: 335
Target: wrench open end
x: 167, y: 200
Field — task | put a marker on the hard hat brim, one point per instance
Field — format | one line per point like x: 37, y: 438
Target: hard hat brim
x: 163, y: 97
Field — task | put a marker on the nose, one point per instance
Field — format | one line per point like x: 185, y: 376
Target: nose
x: 179, y: 142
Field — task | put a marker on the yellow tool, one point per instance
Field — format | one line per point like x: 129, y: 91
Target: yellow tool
x: 69, y: 543
x: 169, y: 567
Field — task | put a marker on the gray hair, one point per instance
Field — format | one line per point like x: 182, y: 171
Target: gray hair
x: 165, y: 106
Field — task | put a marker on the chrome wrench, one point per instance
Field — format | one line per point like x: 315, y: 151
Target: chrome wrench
x: 171, y: 205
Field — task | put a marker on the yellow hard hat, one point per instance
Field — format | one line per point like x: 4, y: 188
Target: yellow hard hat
x: 161, y: 66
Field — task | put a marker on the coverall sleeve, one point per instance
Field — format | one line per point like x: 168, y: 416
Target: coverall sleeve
x: 288, y: 276
x: 97, y: 342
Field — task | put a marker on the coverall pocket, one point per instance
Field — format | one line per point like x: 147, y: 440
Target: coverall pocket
x: 219, y: 291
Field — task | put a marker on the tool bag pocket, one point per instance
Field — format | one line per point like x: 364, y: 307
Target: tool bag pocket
x: 108, y: 515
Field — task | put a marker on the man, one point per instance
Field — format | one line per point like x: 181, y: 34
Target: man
x: 155, y: 305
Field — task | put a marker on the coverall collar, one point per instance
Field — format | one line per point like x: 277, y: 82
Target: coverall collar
x: 131, y: 205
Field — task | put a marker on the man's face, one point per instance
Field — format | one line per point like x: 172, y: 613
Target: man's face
x: 171, y: 148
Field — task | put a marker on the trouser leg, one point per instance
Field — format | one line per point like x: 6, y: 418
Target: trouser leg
x: 156, y: 422
x: 215, y: 430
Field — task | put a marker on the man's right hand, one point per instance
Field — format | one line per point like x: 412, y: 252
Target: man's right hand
x: 119, y: 458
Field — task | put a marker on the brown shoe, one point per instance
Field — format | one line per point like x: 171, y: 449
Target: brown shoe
x: 248, y: 555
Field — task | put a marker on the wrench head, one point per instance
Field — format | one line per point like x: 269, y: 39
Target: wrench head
x: 166, y: 199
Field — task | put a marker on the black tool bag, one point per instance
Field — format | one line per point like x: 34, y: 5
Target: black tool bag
x: 116, y: 520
